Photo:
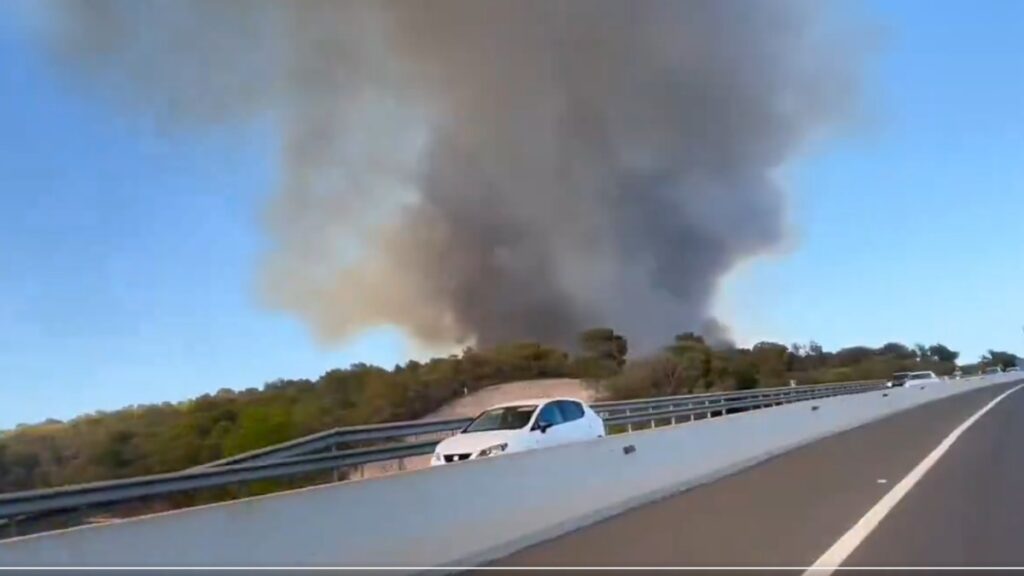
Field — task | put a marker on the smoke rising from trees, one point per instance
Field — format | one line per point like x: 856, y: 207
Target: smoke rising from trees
x: 484, y: 171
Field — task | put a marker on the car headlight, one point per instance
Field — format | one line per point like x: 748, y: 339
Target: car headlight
x: 492, y: 450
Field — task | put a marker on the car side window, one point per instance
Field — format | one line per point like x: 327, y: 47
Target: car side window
x: 570, y: 410
x: 550, y: 415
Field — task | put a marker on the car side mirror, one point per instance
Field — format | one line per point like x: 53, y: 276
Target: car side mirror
x: 543, y: 427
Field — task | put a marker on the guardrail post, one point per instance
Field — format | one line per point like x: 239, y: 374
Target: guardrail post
x: 13, y: 526
x: 629, y: 426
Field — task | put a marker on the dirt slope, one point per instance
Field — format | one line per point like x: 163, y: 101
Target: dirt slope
x: 479, y: 401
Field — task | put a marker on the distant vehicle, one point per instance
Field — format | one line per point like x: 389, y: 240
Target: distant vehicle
x: 520, y: 426
x: 993, y: 370
x: 917, y: 379
x: 898, y: 379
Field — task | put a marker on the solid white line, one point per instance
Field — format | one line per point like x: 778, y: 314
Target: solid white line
x: 834, y: 556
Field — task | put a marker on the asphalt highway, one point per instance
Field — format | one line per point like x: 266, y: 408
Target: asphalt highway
x: 967, y: 510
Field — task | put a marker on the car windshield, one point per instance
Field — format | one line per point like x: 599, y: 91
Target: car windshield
x: 899, y: 376
x: 920, y: 376
x: 504, y: 418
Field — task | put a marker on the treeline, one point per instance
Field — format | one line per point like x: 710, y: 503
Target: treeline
x: 150, y: 439
x: 690, y: 365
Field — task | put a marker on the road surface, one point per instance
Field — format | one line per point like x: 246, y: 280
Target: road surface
x: 968, y: 509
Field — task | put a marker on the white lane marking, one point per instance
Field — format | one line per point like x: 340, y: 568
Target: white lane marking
x: 881, y: 480
x: 834, y: 556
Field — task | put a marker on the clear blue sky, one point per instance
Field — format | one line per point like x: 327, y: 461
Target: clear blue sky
x: 128, y: 256
x: 910, y: 230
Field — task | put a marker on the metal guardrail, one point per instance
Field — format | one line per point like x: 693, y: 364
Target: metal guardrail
x: 107, y: 492
x: 293, y: 458
x: 395, y: 430
x: 611, y: 412
x: 330, y: 438
x: 674, y: 414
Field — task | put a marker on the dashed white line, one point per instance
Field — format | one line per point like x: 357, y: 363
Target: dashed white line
x: 838, y: 553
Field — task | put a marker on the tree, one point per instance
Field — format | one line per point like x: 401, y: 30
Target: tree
x: 605, y: 345
x: 770, y: 347
x: 896, y: 350
x: 942, y: 353
x: 813, y: 357
x: 772, y: 361
x: 695, y: 355
x: 116, y: 453
x: 743, y: 371
x: 695, y: 368
x: 853, y: 355
x: 689, y: 337
x: 4, y: 467
x: 662, y: 375
x: 1000, y: 358
x: 688, y: 365
x: 921, y: 350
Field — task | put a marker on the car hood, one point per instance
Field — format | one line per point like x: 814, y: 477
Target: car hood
x: 474, y: 442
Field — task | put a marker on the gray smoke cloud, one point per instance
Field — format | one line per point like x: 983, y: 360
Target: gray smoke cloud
x: 484, y: 171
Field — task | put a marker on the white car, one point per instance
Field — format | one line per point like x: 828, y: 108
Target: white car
x: 520, y: 426
x: 921, y: 378
x: 898, y: 379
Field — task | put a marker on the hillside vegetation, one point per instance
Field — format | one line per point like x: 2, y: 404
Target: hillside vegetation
x: 149, y: 439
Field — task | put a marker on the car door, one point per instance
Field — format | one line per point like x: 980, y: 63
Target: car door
x: 548, y: 428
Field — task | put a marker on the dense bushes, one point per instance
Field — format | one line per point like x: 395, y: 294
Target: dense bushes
x: 165, y: 437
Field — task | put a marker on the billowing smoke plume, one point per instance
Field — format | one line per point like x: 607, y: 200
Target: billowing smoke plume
x: 478, y: 170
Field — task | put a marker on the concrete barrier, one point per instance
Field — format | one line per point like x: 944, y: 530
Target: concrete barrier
x: 469, y: 513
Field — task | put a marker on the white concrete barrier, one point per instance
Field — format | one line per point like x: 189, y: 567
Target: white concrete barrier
x: 467, y: 513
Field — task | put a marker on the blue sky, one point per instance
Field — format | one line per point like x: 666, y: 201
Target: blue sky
x: 908, y: 228
x: 128, y: 256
